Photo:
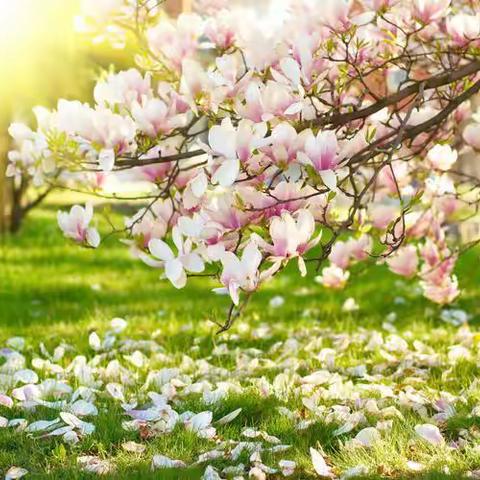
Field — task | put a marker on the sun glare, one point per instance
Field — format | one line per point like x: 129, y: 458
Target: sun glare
x: 13, y: 20
x: 35, y: 43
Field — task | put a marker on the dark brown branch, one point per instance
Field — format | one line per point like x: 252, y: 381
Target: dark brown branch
x: 412, y: 132
x: 437, y: 81
x: 134, y: 162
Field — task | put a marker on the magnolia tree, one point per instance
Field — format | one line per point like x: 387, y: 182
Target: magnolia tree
x: 327, y: 137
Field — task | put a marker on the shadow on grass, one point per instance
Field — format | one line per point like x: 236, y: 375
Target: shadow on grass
x: 46, y: 279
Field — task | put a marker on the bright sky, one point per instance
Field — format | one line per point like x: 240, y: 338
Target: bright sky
x: 36, y: 41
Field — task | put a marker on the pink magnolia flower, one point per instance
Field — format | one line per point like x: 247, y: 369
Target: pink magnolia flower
x: 113, y: 133
x: 75, y: 225
x: 464, y: 28
x: 442, y: 157
x: 436, y: 273
x: 333, y: 277
x: 444, y: 293
x: 195, y: 191
x: 290, y: 73
x: 430, y: 252
x: 340, y: 255
x: 260, y: 46
x: 322, y: 152
x: 437, y: 186
x: 286, y: 143
x: 471, y: 135
x: 336, y: 13
x: 156, y: 172
x: 175, y: 101
x: 397, y: 179
x: 404, y: 262
x: 151, y: 223
x: 265, y: 102
x: 343, y: 253
x: 123, y: 88
x: 195, y: 82
x: 176, y: 40
x: 448, y: 205
x: 220, y: 29
x: 418, y: 223
x: 321, y: 206
x: 463, y: 112
x: 74, y: 118
x: 383, y: 215
x: 381, y: 4
x: 360, y: 248
x: 31, y: 154
x: 311, y: 68
x: 286, y: 196
x: 189, y: 173
x: 176, y: 266
x: 430, y: 10
x: 241, y: 274
x: 291, y: 237
x: 152, y: 117
x: 222, y: 210
x: 229, y: 78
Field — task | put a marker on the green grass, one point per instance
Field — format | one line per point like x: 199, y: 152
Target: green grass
x: 52, y: 291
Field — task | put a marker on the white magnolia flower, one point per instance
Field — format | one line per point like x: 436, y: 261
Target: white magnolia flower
x: 240, y: 273
x: 442, y: 157
x: 232, y: 146
x: 75, y: 225
x: 177, y: 266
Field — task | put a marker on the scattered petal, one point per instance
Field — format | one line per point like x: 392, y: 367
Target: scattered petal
x: 319, y: 464
x: 15, y: 472
x: 430, y: 433
x: 229, y: 417
x: 160, y: 461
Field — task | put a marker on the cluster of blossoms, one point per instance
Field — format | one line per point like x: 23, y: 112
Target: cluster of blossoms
x: 333, y: 138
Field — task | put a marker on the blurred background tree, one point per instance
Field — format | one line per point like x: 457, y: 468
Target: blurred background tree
x: 43, y: 59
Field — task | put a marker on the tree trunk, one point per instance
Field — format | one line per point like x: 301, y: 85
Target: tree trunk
x: 176, y: 7
x: 17, y: 215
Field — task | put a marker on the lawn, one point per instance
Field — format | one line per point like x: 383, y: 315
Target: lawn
x: 305, y: 373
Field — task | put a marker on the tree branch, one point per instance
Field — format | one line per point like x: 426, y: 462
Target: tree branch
x: 437, y: 81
